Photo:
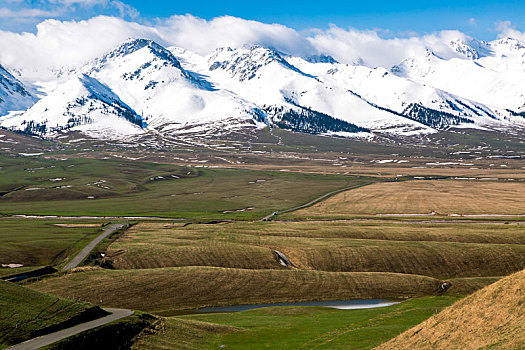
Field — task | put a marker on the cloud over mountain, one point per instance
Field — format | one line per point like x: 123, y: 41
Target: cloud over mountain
x: 57, y: 44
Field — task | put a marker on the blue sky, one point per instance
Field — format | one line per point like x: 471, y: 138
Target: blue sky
x: 377, y: 34
x: 476, y: 17
x: 391, y: 18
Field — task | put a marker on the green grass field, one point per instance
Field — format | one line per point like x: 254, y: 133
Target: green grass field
x: 40, y: 242
x: 133, y: 188
x: 293, y: 327
x: 24, y: 311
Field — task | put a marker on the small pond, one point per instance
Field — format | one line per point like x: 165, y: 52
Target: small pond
x: 335, y: 304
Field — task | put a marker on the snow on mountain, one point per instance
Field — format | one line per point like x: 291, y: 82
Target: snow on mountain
x: 151, y: 80
x: 401, y: 96
x: 265, y: 77
x: 141, y: 86
x: 14, y: 96
x: 82, y: 103
x: 150, y: 85
x: 495, y: 80
x: 508, y: 47
x: 471, y: 49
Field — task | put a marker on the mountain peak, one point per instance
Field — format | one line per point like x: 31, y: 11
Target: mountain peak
x: 322, y: 58
x: 246, y: 62
x: 131, y: 46
x: 13, y: 94
x: 471, y: 49
x: 509, y: 44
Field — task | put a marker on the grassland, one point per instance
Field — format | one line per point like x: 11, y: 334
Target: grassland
x: 436, y: 250
x: 443, y: 197
x: 293, y: 327
x: 134, y: 188
x: 170, y: 289
x: 492, y: 318
x: 41, y: 242
x: 170, y: 267
x: 25, y: 312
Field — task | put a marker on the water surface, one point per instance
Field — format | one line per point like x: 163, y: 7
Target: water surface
x: 335, y: 304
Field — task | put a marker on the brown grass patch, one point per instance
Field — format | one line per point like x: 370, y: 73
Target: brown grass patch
x: 423, y: 197
x: 191, y: 287
x: 440, y: 251
x: 493, y: 317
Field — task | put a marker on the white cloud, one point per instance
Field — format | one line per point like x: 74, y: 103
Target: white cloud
x: 203, y: 36
x: 25, y: 13
x: 57, y: 44
x: 67, y: 43
x: 17, y: 9
x: 124, y: 10
x: 506, y: 29
x: 367, y: 45
x: 61, y: 44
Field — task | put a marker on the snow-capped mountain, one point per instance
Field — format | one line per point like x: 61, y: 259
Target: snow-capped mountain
x: 14, y: 96
x: 141, y: 86
x: 151, y: 80
x: 494, y: 78
x: 81, y: 103
x: 139, y: 83
x: 262, y: 75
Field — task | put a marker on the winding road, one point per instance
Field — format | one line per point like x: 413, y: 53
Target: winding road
x: 87, y: 249
x: 116, y: 314
x: 39, y: 342
x: 315, y: 201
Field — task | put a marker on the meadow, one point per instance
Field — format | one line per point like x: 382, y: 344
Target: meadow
x: 222, y: 255
x: 132, y: 188
x: 436, y: 197
x: 172, y: 290
x: 437, y: 250
x: 42, y: 242
x: 293, y: 327
x: 168, y: 267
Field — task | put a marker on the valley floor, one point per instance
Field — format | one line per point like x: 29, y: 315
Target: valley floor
x: 426, y: 234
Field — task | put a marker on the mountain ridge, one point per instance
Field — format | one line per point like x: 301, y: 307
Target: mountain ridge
x: 176, y: 91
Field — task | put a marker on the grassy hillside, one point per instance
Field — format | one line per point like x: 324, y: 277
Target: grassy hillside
x: 423, y: 197
x: 162, y: 290
x: 493, y: 317
x: 171, y: 266
x: 25, y: 311
x: 437, y: 250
